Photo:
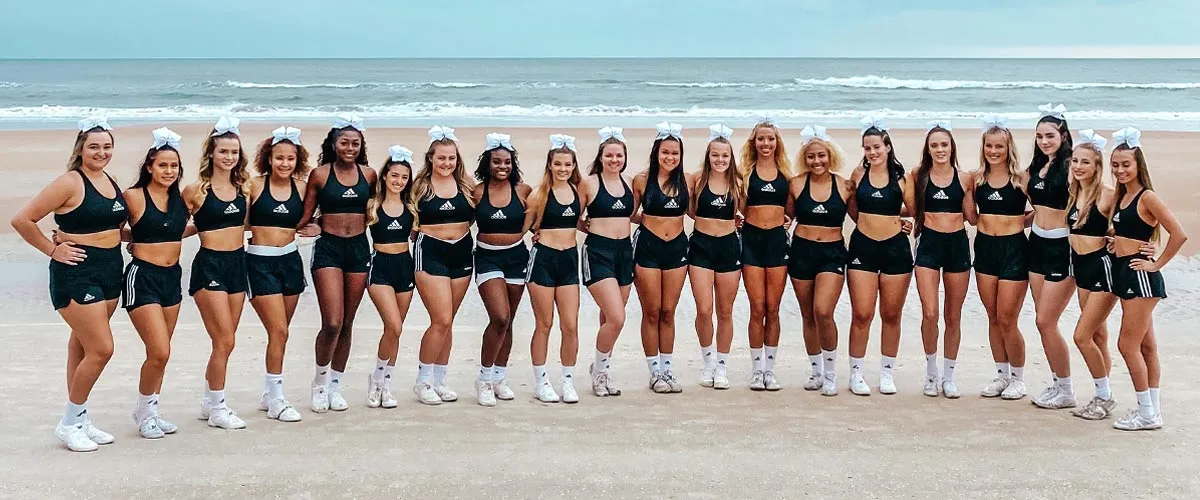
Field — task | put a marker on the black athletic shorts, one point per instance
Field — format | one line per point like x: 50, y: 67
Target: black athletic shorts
x: 1002, y: 256
x: 652, y: 252
x: 605, y: 258
x: 451, y: 259
x: 394, y: 270
x: 275, y: 274
x: 551, y: 267
x: 1049, y: 257
x: 1131, y: 284
x: 147, y: 283
x: 764, y: 247
x: 949, y: 252
x: 351, y: 255
x: 95, y: 279
x: 720, y: 254
x: 218, y: 271
x: 1093, y: 271
x: 508, y: 264
x: 807, y: 258
x: 890, y: 256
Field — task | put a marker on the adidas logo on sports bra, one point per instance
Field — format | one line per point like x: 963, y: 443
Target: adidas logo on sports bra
x: 1074, y: 216
x: 1040, y: 185
x: 671, y: 204
x: 232, y: 209
x: 117, y: 206
x: 350, y: 193
x: 995, y: 196
x: 819, y: 209
x: 447, y: 206
x: 718, y: 202
x: 767, y: 188
x: 281, y: 209
x: 88, y: 296
x: 618, y: 205
x: 1117, y: 217
x: 394, y: 225
x: 940, y: 195
x: 877, y: 194
x: 568, y: 212
x: 499, y: 215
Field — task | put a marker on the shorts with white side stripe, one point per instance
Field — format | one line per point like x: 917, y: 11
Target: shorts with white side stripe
x: 451, y: 259
x: 551, y: 267
x: 607, y: 258
x: 1093, y: 270
x: 1131, y: 284
x: 506, y: 263
x: 147, y: 283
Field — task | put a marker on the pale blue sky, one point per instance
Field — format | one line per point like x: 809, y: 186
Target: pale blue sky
x: 612, y: 28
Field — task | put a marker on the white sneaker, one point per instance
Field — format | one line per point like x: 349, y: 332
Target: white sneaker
x: 224, y: 418
x: 887, y: 384
x: 263, y: 404
x: 756, y: 381
x: 374, y: 396
x: 148, y: 427
x: 829, y: 386
x: 659, y: 385
x: 337, y: 402
x: 1046, y: 393
x: 815, y: 381
x: 949, y: 389
x: 720, y: 378
x: 545, y: 393
x: 484, y: 393
x: 75, y: 437
x: 930, y: 388
x: 95, y: 434
x: 503, y: 391
x: 707, y: 375
x: 1096, y: 409
x: 205, y: 408
x: 386, y: 399
x: 426, y: 394
x: 445, y: 393
x: 671, y: 381
x: 1014, y: 391
x: 995, y: 388
x: 167, y: 427
x: 283, y: 411
x: 569, y: 395
x: 858, y: 385
x: 1134, y: 421
x: 769, y: 382
x: 320, y: 399
x: 1059, y: 400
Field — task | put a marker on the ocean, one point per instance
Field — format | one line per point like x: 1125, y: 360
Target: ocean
x: 1104, y: 94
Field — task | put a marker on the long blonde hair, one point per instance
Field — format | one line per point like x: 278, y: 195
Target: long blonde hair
x: 733, y: 179
x: 541, y: 194
x: 749, y: 157
x: 422, y: 183
x: 1089, y: 192
x: 238, y: 176
x: 76, y: 161
x: 381, y: 192
x: 1143, y: 177
x: 1013, y: 161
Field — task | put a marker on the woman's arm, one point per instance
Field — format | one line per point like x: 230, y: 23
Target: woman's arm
x: 1155, y: 205
x: 970, y: 211
x: 49, y: 199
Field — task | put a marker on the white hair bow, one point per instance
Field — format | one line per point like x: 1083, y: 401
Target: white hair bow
x: 668, y: 129
x: 285, y: 133
x: 225, y: 125
x: 719, y: 131
x: 607, y: 133
x: 942, y: 124
x: 1128, y: 136
x: 766, y: 119
x: 871, y: 121
x: 353, y: 121
x: 495, y: 140
x: 994, y: 121
x: 1049, y: 109
x: 439, y: 132
x: 92, y: 122
x: 165, y: 137
x: 1089, y: 137
x: 813, y: 132
x: 559, y: 141
x: 400, y: 154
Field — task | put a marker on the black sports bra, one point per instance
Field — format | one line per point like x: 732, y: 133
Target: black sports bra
x: 1005, y: 200
x: 437, y: 210
x: 95, y: 213
x: 886, y: 200
x: 559, y: 216
x: 828, y: 213
x: 1043, y: 192
x: 763, y: 193
x: 605, y: 205
x: 157, y: 226
x: 947, y: 199
x: 216, y: 213
x: 1128, y: 224
x: 266, y: 211
x: 656, y: 203
x: 711, y: 206
x: 1096, y: 225
x: 509, y: 219
x: 390, y: 229
x: 335, y: 198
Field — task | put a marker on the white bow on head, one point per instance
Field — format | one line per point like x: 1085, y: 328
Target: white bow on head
x: 1089, y: 137
x: 400, y: 154
x: 813, y: 132
x: 353, y: 121
x: 871, y: 121
x: 92, y: 122
x: 994, y: 121
x: 668, y: 129
x: 495, y: 140
x: 1128, y: 136
x: 225, y: 125
x: 439, y: 132
x: 607, y: 133
x: 165, y: 137
x: 285, y: 133
x: 942, y: 124
x: 719, y: 131
x: 1049, y: 109
x: 765, y: 118
x: 559, y: 141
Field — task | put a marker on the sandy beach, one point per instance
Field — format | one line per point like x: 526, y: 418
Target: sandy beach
x: 700, y: 444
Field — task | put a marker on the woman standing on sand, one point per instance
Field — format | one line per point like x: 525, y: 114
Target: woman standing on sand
x: 607, y: 252
x: 1001, y: 275
x: 273, y: 264
x: 1138, y: 216
x: 941, y: 205
x: 392, y: 268
x: 817, y: 255
x: 881, y: 260
x: 715, y: 252
x: 442, y: 195
x: 85, y: 268
x: 217, y: 202
x: 553, y: 272
x: 157, y: 225
x: 500, y: 260
x: 764, y: 245
x: 1049, y: 252
x: 341, y: 256
x: 660, y: 252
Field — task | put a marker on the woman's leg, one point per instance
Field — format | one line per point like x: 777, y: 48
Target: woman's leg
x: 864, y: 291
x: 956, y: 294
x: 827, y: 289
x: 805, y: 290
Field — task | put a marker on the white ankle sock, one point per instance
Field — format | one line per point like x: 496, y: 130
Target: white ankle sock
x: 1064, y: 384
x: 499, y: 373
x: 335, y: 380
x: 1154, y: 399
x: 539, y: 375
x: 1003, y: 370
x: 948, y: 369
x: 274, y: 386
x: 653, y: 365
x: 380, y: 370
x: 147, y: 406
x: 829, y: 364
x: 439, y: 374
x: 856, y: 366
x: 388, y: 371
x: 216, y: 400
x: 931, y: 372
x: 424, y: 372
x: 814, y: 363
x: 771, y: 352
x: 485, y: 373
x: 322, y: 375
x: 1103, y: 391
x: 708, y: 354
x: 886, y: 364
x: 1145, y: 404
x: 568, y: 373
x: 74, y: 414
x: 665, y: 358
x: 722, y: 359
x: 601, y: 362
x: 1018, y: 372
x: 756, y: 357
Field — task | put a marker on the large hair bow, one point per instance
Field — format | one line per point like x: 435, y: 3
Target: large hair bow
x: 1050, y: 109
x: 400, y: 154
x: 668, y: 129
x: 285, y: 133
x: 813, y: 132
x: 165, y: 137
x: 352, y: 121
x: 559, y: 141
x: 92, y: 122
x: 1128, y: 136
x: 225, y: 125
x: 439, y: 132
x: 719, y: 131
x: 1089, y: 137
x: 873, y: 122
x: 495, y: 140
x: 607, y: 133
x: 942, y: 124
x: 994, y: 121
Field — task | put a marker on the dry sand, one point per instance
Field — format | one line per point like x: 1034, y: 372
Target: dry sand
x: 700, y: 444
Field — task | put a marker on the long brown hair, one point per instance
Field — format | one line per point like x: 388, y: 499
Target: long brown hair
x: 1090, y: 192
x: 598, y: 163
x: 921, y: 179
x: 733, y: 178
x: 381, y: 191
x: 76, y: 161
x: 238, y: 176
x: 540, y: 195
x: 1143, y: 177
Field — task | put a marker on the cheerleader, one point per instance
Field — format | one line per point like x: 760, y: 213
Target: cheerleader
x: 1138, y: 216
x: 85, y: 268
x: 607, y: 252
x: 881, y: 261
x: 442, y: 195
x: 391, y: 279
x: 715, y: 252
x: 553, y: 272
x: 941, y: 205
x: 500, y: 260
x: 817, y: 255
x: 660, y: 252
x: 217, y: 202
x: 764, y: 245
x: 157, y: 225
x: 341, y: 257
x: 273, y: 264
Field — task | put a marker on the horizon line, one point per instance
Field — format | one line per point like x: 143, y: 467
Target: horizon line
x: 379, y: 58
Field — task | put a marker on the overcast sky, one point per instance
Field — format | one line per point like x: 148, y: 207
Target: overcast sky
x: 612, y: 28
